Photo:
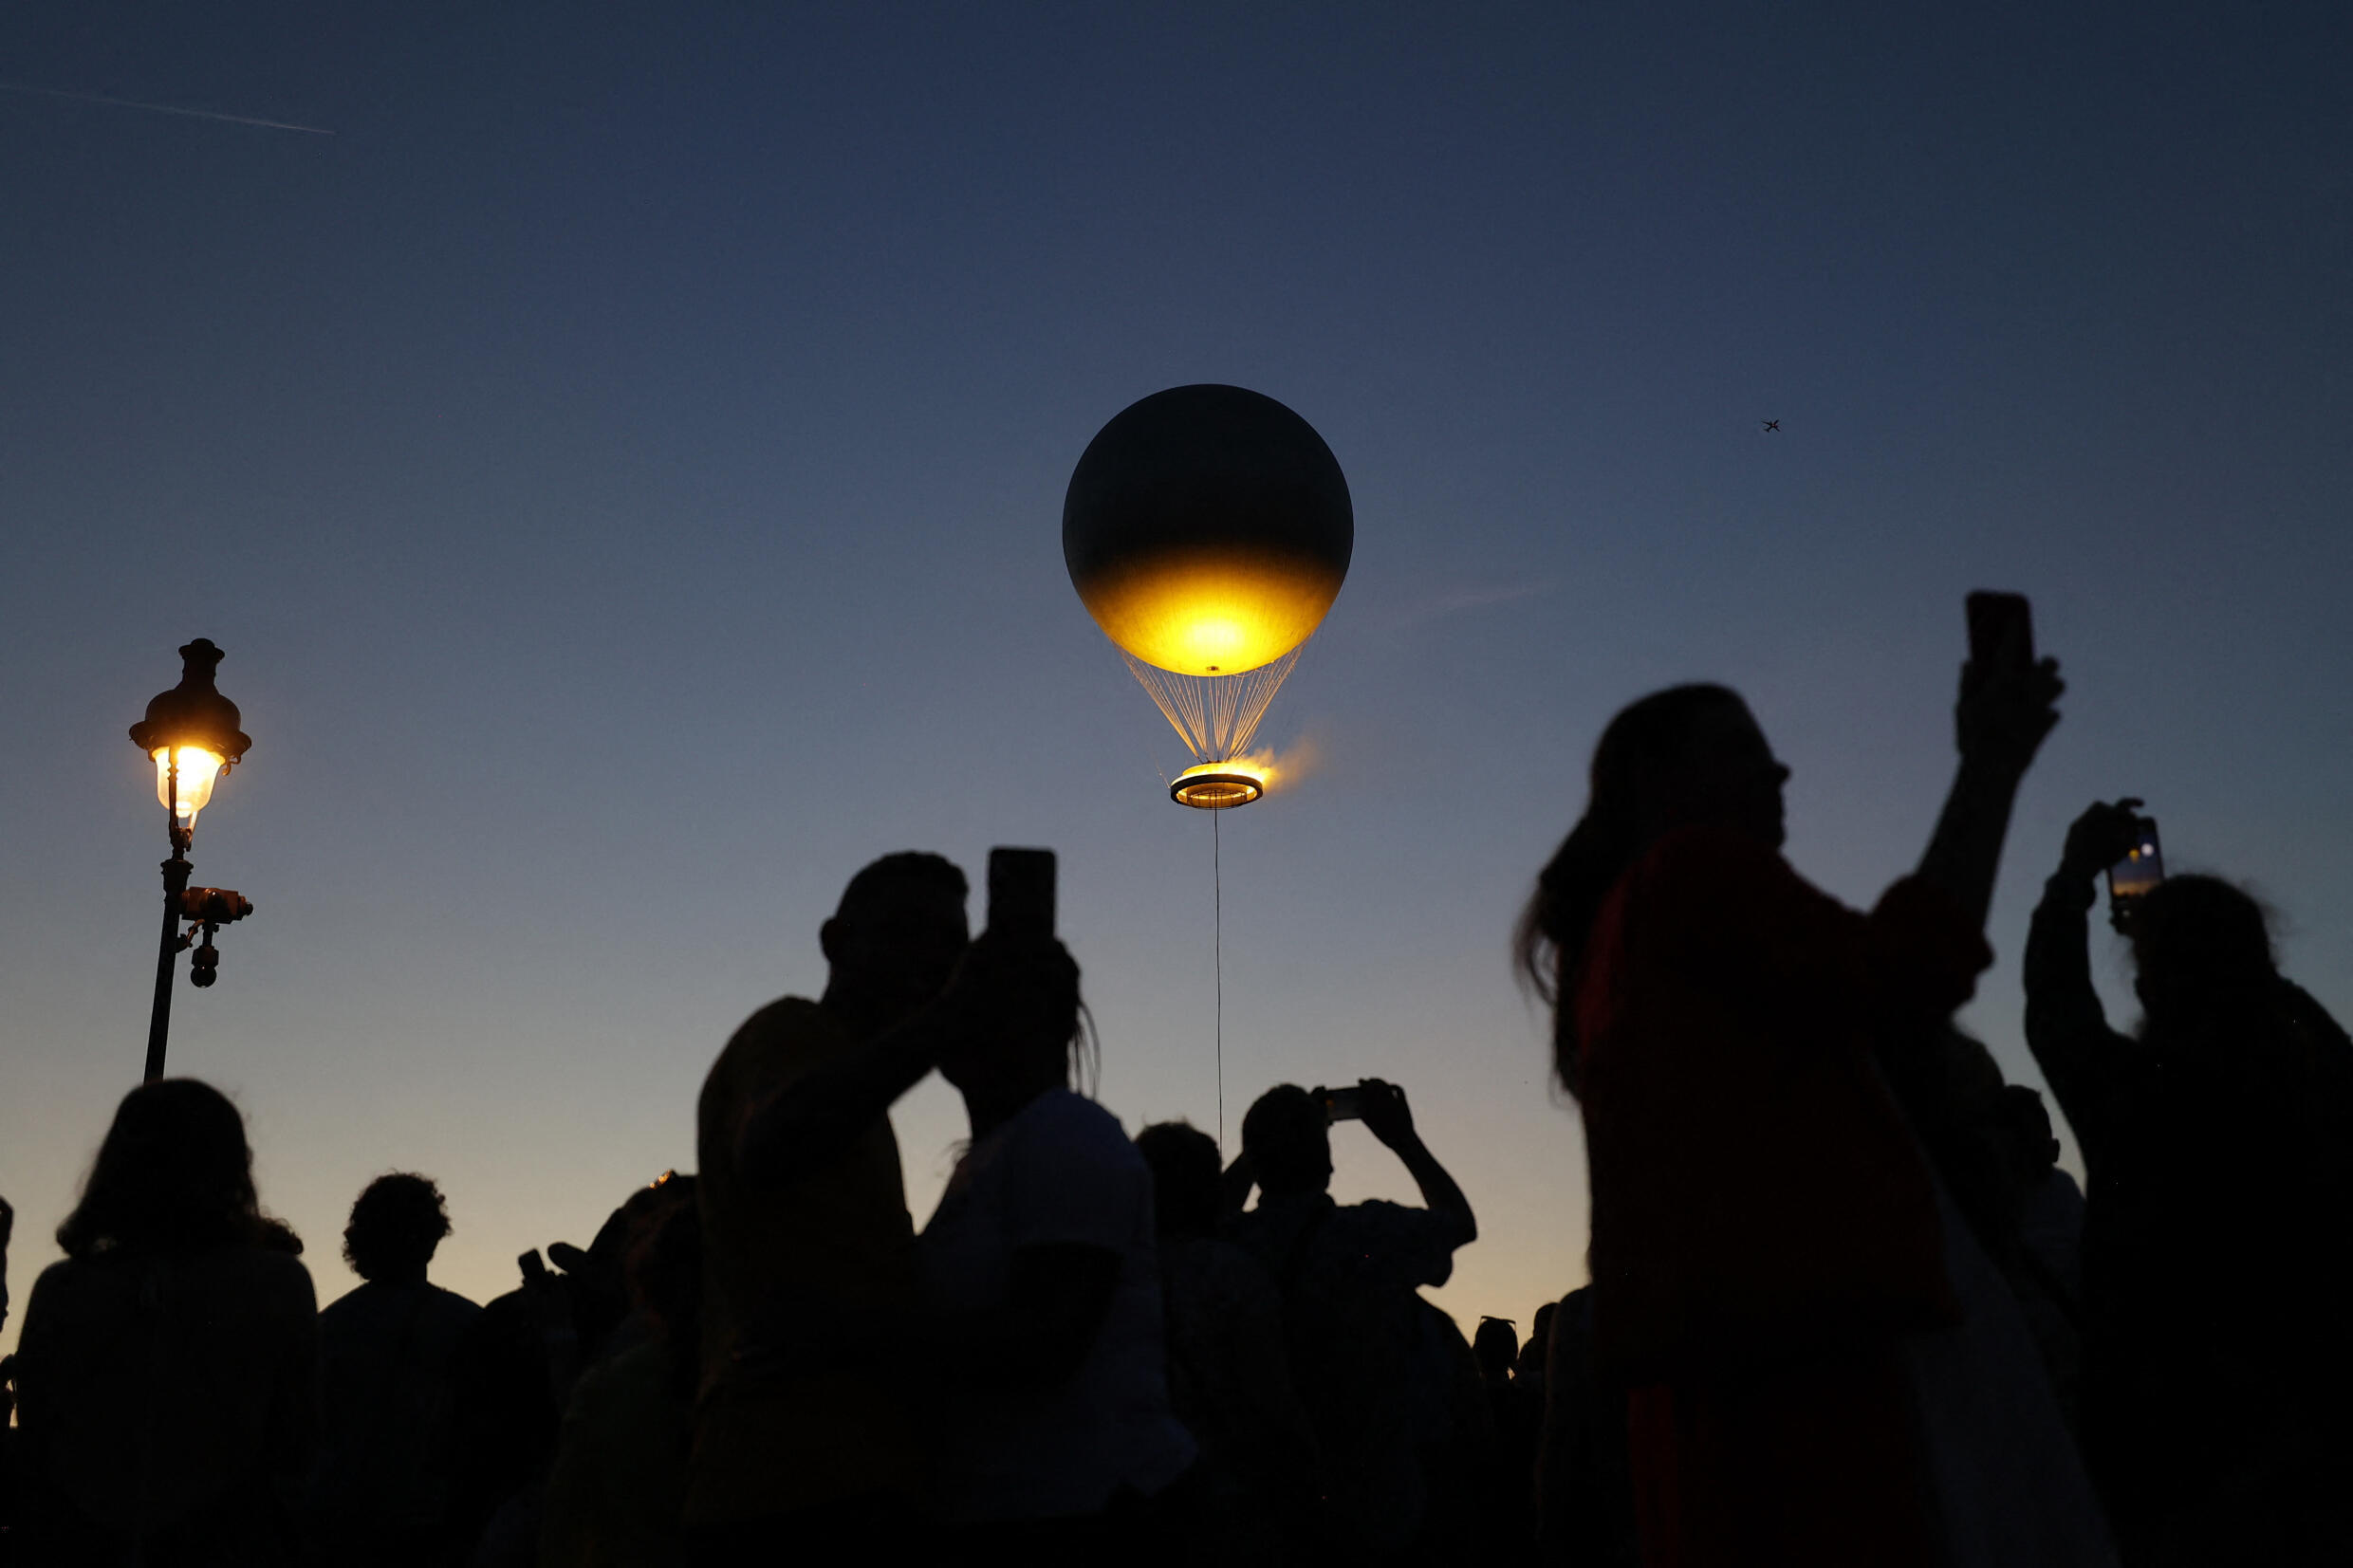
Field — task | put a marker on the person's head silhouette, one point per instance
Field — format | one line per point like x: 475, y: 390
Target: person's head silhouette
x: 1687, y: 756
x: 663, y: 1265
x: 1185, y: 1172
x: 1288, y: 1140
x: 174, y: 1175
x: 893, y: 940
x: 2200, y: 947
x: 396, y: 1225
x: 1027, y: 1039
x: 1496, y: 1347
x: 1539, y: 1344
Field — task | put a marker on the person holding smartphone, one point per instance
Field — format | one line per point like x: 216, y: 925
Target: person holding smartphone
x: 1378, y: 1369
x: 1055, y: 1439
x: 803, y: 1439
x: 2219, y: 1346
x: 1772, y: 1271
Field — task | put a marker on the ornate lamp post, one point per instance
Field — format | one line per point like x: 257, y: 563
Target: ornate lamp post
x: 192, y: 734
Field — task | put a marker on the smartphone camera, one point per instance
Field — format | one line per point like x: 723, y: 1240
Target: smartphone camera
x: 1342, y: 1104
x: 2130, y: 880
x: 1021, y: 892
x: 2001, y: 633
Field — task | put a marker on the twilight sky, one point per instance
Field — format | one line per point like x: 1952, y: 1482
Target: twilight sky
x: 625, y: 464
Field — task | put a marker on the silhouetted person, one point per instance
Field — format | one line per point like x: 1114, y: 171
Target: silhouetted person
x: 1766, y: 1236
x: 605, y: 1314
x: 1380, y: 1369
x: 166, y: 1371
x: 1539, y: 1345
x: 618, y: 1488
x: 1056, y: 1443
x: 387, y: 1487
x: 1229, y: 1369
x: 8, y: 1392
x: 2045, y: 1265
x: 2217, y: 1347
x: 1497, y: 1347
x: 1514, y: 1409
x: 524, y: 1360
x: 803, y: 1436
x: 1584, y: 1488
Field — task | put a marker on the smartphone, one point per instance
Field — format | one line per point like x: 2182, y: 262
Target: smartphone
x: 1021, y: 892
x: 2001, y: 627
x: 2142, y: 866
x: 534, y: 1268
x: 1344, y: 1104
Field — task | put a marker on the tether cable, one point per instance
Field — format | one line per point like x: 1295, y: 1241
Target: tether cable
x: 1217, y: 948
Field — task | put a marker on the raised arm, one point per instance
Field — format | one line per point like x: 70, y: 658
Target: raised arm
x: 2000, y: 721
x: 1234, y: 1185
x: 811, y: 1122
x: 1390, y: 1119
x: 2067, y: 1028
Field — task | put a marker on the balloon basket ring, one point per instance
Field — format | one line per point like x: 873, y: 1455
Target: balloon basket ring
x: 1217, y: 786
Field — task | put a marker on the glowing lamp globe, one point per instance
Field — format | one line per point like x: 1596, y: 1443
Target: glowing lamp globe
x: 192, y: 734
x: 1208, y: 529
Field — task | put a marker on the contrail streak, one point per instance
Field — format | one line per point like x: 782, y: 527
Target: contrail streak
x: 162, y: 109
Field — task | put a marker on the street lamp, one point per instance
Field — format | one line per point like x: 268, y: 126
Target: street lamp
x: 192, y: 734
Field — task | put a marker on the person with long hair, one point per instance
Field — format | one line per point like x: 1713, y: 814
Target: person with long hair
x: 2218, y: 1347
x: 167, y: 1365
x: 1055, y: 1439
x: 1766, y: 1231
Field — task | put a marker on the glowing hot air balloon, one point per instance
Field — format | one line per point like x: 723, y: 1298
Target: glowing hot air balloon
x: 1208, y: 530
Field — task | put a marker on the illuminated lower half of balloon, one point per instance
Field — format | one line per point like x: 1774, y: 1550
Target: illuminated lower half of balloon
x: 1217, y: 716
x: 1210, y: 611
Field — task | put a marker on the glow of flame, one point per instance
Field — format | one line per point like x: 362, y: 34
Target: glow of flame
x: 1218, y: 613
x: 1257, y: 766
x: 198, y: 768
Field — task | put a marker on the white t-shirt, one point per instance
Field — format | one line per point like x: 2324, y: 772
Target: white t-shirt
x: 1058, y: 1171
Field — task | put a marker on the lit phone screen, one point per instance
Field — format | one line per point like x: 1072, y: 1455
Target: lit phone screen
x: 2140, y: 869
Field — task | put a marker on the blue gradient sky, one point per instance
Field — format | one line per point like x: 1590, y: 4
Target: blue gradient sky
x: 625, y: 465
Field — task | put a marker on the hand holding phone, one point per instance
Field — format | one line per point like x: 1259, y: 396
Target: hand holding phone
x: 1386, y: 1115
x: 2100, y: 836
x: 2007, y: 693
x: 2001, y: 632
x: 2130, y: 878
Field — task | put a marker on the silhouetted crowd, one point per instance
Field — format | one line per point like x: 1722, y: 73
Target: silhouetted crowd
x: 1846, y: 1307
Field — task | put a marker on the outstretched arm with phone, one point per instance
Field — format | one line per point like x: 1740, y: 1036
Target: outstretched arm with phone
x: 2006, y: 708
x: 1389, y: 1119
x: 2067, y: 1030
x: 812, y: 1122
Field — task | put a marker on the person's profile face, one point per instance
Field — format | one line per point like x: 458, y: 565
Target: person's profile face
x: 898, y: 948
x: 1731, y: 776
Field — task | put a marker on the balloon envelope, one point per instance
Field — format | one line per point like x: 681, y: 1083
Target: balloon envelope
x: 1208, y: 529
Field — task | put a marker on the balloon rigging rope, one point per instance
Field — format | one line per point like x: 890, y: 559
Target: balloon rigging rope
x: 1215, y: 716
